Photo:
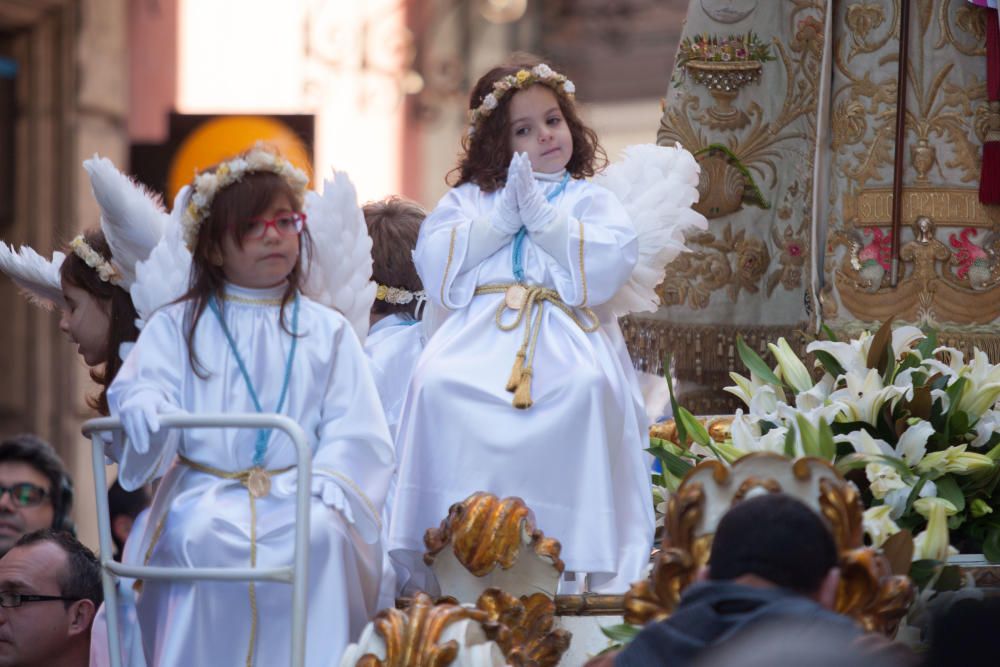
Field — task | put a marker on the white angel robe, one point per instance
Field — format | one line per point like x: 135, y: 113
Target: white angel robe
x: 201, y: 520
x: 576, y: 456
x: 393, y: 345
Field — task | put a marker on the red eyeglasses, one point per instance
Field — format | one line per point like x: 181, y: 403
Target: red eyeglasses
x: 285, y: 224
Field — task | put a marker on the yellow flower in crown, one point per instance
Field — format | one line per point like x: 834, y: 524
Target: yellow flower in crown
x: 222, y: 171
x: 381, y: 292
x: 523, y: 75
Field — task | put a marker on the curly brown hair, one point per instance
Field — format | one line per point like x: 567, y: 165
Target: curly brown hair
x: 230, y: 213
x: 487, y: 152
x: 122, y: 316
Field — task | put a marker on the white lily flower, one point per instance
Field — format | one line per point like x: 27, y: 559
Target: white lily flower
x: 933, y: 543
x: 883, y: 479
x: 912, y: 444
x: 878, y: 525
x: 792, y: 370
x: 864, y: 443
x: 954, y: 460
x: 850, y: 355
x: 987, y: 425
x: 865, y: 396
x: 896, y: 499
x: 746, y: 434
x: 816, y: 396
x: 983, y: 387
x: 904, y: 338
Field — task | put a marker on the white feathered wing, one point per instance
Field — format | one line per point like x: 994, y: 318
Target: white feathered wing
x: 163, y: 276
x: 37, y: 277
x: 657, y: 185
x: 132, y: 217
x: 339, y: 272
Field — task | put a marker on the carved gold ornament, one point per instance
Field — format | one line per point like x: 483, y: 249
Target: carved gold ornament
x: 485, y: 541
x: 869, y: 592
x: 526, y: 629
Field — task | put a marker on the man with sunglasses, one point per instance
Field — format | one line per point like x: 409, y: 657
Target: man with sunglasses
x: 35, y: 490
x: 50, y: 588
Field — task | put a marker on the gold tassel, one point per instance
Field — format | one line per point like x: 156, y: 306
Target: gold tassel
x: 515, y: 373
x: 522, y: 397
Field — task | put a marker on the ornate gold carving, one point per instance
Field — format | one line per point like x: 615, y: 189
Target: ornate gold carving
x: 929, y: 289
x: 840, y: 504
x: 868, y: 591
x: 955, y: 206
x: 718, y: 428
x: 412, y: 637
x: 735, y: 261
x: 751, y: 483
x: 485, y: 531
x: 724, y: 80
x: 525, y: 628
x: 721, y: 186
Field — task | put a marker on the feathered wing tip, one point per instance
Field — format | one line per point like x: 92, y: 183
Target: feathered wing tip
x: 132, y: 217
x: 657, y: 185
x: 339, y: 272
x: 36, y: 277
x: 163, y: 277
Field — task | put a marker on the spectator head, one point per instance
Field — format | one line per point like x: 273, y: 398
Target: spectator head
x: 394, y: 224
x: 50, y: 589
x: 124, y: 506
x: 777, y: 539
x: 35, y: 490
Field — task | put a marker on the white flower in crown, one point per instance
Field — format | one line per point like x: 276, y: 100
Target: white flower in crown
x: 523, y: 78
x: 208, y: 184
x: 542, y: 71
x: 105, y: 270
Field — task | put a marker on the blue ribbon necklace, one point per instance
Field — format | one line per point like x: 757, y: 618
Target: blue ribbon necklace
x: 517, y: 267
x: 264, y: 434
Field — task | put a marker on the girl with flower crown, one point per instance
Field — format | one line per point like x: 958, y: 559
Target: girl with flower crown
x: 526, y: 389
x: 245, y: 339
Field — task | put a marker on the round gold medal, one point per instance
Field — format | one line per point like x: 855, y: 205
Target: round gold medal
x: 258, y: 483
x: 515, y: 296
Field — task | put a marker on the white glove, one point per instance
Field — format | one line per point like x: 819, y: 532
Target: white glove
x: 140, y: 417
x: 506, y: 217
x: 536, y: 213
x: 330, y: 493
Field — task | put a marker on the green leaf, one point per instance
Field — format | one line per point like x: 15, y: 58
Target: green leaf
x: 790, y: 442
x: 948, y: 489
x: 922, y: 570
x: 928, y: 345
x: 682, y: 436
x: 860, y: 460
x: 950, y: 579
x: 954, y: 392
x: 622, y: 633
x: 808, y: 436
x: 827, y: 447
x: 829, y: 333
x: 881, y: 347
x: 829, y: 363
x: 915, y: 493
x: 695, y: 429
x: 991, y: 545
x: 672, y: 463
x: 958, y: 423
x: 756, y: 365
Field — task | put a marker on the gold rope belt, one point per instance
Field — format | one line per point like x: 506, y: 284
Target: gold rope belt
x: 525, y: 300
x: 258, y: 484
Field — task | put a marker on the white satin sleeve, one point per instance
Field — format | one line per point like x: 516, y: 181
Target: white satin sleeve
x: 446, y: 238
x: 594, y: 247
x: 355, y: 449
x: 156, y: 364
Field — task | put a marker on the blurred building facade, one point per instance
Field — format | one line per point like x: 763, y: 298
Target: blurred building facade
x: 382, y: 86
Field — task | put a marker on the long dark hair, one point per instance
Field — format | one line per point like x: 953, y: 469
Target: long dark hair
x: 122, y: 317
x: 231, y: 212
x: 487, y: 152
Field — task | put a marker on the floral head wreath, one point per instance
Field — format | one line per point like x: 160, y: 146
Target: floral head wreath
x: 398, y: 296
x: 105, y: 270
x: 524, y: 78
x: 207, y: 185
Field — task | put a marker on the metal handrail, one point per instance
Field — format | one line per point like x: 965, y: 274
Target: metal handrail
x: 296, y: 574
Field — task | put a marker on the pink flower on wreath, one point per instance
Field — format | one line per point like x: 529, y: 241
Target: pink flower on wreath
x: 879, y: 250
x: 968, y: 252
